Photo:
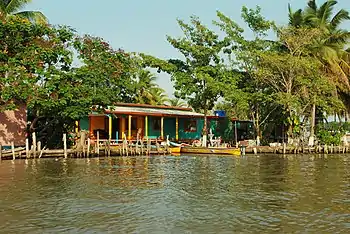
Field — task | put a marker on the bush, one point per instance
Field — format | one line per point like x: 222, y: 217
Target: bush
x: 331, y: 133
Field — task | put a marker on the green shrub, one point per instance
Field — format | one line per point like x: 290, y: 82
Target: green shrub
x: 331, y: 133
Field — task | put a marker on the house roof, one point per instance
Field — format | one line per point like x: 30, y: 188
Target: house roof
x: 149, y: 110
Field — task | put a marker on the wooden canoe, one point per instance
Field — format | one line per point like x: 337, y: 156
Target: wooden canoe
x: 175, y: 150
x: 211, y: 150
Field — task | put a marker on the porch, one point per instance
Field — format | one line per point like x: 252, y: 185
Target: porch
x: 151, y: 122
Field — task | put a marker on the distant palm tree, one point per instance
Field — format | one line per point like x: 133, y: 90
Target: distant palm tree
x: 330, y: 48
x: 158, y: 96
x: 177, y: 102
x: 147, y: 91
x: 13, y: 7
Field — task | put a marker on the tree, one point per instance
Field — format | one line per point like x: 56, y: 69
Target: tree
x: 28, y: 52
x: 13, y: 7
x: 330, y: 47
x: 199, y: 76
x: 177, y: 102
x: 147, y: 91
x: 248, y: 98
x: 31, y: 54
x: 158, y: 96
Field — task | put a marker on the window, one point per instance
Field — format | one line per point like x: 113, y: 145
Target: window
x: 190, y: 125
x: 156, y: 124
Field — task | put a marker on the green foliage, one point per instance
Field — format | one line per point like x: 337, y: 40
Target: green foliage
x: 177, y: 102
x: 36, y: 69
x: 14, y: 7
x: 331, y: 133
x: 28, y: 54
x: 256, y: 22
x: 147, y: 91
x: 198, y: 77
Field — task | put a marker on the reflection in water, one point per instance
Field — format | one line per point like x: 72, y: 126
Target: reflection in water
x: 176, y: 194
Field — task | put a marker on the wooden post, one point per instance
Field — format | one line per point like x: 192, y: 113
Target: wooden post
x: 34, y: 144
x: 13, y: 150
x: 39, y: 147
x: 110, y: 127
x: 88, y: 147
x: 236, y: 139
x: 65, y: 145
x: 27, y: 147
x: 162, y: 128
x: 129, y: 128
x: 177, y: 129
x: 146, y: 126
x: 98, y: 143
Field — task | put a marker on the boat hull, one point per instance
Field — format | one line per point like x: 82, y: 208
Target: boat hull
x: 175, y: 150
x: 203, y: 150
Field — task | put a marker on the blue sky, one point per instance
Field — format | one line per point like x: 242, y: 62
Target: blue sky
x: 142, y: 25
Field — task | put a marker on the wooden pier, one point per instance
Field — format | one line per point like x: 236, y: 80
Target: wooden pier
x: 88, y: 148
x: 285, y: 149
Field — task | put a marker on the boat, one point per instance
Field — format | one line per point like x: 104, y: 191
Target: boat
x: 211, y: 150
x: 175, y: 150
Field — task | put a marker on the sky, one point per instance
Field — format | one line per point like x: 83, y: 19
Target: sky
x: 142, y: 25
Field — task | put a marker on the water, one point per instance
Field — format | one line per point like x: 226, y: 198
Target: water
x: 266, y: 194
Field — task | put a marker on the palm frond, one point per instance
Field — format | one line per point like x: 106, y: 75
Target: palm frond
x: 339, y: 18
x: 14, y: 6
x: 2, y: 7
x: 325, y: 12
x: 311, y: 7
x: 177, y: 102
x: 295, y: 18
x: 338, y: 37
x: 34, y: 16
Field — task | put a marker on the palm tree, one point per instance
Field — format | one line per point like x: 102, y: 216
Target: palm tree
x: 330, y: 48
x: 13, y: 7
x: 147, y: 91
x: 177, y: 102
x: 158, y: 96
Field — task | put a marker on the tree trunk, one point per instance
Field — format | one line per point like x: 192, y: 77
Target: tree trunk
x: 204, y: 143
x: 312, y: 126
x: 258, y: 132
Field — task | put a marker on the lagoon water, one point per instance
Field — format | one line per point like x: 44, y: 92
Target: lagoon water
x: 186, y: 194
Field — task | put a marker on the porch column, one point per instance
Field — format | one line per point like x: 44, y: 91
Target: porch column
x: 162, y: 128
x: 110, y: 126
x: 76, y: 126
x: 146, y: 126
x: 129, y: 127
x: 122, y: 127
x: 177, y: 129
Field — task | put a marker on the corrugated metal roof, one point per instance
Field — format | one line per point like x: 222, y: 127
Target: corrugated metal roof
x: 151, y: 111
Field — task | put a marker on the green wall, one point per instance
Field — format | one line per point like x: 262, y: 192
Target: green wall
x: 152, y: 133
x: 170, y: 127
x: 84, y: 123
x: 190, y: 135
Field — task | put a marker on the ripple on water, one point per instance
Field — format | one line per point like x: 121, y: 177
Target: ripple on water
x: 176, y: 195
